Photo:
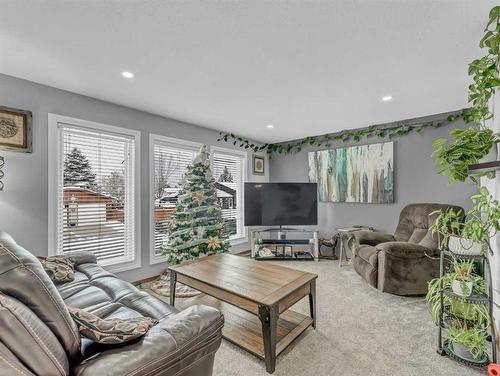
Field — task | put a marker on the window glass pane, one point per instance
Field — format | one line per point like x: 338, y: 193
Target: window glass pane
x: 170, y: 166
x: 96, y: 209
x: 228, y: 173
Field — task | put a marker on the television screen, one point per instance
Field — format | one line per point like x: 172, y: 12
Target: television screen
x: 274, y: 204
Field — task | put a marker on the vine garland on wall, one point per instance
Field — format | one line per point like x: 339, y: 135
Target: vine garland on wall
x: 381, y: 131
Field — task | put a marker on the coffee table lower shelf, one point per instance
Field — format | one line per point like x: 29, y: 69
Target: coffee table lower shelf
x: 245, y: 330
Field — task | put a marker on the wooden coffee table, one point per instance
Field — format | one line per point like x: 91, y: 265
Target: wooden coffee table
x: 255, y: 298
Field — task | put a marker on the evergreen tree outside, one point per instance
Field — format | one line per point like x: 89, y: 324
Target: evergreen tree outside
x: 77, y: 171
x: 195, y: 229
x: 226, y: 176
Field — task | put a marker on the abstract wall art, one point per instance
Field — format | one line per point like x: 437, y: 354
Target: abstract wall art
x: 362, y: 173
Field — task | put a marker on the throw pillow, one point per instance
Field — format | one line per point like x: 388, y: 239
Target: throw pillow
x: 59, y: 268
x: 110, y: 331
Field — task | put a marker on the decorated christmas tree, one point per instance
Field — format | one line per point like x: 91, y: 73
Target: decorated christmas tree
x: 195, y: 229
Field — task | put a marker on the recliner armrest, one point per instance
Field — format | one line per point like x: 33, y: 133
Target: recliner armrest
x: 406, y: 250
x: 81, y: 257
x: 177, y: 342
x: 372, y: 237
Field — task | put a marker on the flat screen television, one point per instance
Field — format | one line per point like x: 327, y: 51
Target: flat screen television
x: 281, y: 204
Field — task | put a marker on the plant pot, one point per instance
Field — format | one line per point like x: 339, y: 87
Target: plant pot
x: 457, y: 288
x: 492, y: 156
x: 464, y: 353
x: 462, y: 246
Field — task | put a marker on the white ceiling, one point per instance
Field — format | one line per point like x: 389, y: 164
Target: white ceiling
x: 308, y: 67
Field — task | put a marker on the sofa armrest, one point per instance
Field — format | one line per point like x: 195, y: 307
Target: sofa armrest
x: 371, y: 237
x: 406, y: 250
x: 81, y: 257
x: 179, y: 341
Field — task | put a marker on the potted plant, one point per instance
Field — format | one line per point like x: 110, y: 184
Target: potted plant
x: 458, y: 306
x: 468, y: 342
x: 463, y: 278
x: 464, y: 247
x: 482, y: 222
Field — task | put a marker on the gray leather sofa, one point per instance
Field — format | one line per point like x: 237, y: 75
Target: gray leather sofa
x: 38, y: 336
x: 403, y: 263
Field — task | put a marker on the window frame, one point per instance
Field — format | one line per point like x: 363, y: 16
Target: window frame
x: 155, y: 139
x: 55, y: 165
x: 244, y: 155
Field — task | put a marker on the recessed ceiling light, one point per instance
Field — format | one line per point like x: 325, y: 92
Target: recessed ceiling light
x: 127, y: 74
x: 270, y: 126
x: 387, y: 98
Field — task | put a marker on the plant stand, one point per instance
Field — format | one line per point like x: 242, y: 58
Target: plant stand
x: 446, y: 314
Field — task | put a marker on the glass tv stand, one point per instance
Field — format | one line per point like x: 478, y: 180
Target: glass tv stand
x: 284, y: 243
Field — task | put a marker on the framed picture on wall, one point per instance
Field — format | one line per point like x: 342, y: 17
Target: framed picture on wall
x: 258, y: 165
x: 15, y: 130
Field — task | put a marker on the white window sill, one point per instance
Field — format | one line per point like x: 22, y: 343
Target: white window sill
x: 122, y: 267
x: 154, y: 260
x: 238, y: 241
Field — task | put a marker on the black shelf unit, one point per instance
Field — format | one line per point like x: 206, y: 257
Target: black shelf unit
x: 484, y: 167
x: 444, y: 347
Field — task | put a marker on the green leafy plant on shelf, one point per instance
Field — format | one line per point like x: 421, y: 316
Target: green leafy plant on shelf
x: 482, y: 222
x: 466, y: 147
x: 473, y: 338
x: 458, y: 306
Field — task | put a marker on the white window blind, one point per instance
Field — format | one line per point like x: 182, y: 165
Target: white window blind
x: 228, y: 170
x: 170, y: 160
x: 96, y: 194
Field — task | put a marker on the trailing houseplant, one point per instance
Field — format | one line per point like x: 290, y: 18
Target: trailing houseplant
x: 469, y: 342
x: 468, y: 146
x: 458, y: 305
x: 482, y: 222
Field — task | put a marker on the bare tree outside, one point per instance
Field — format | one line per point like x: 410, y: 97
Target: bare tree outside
x: 114, y: 185
x: 165, y: 167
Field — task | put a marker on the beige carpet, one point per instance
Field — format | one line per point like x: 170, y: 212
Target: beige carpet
x: 360, y: 331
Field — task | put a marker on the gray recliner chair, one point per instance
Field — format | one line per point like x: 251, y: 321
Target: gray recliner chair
x: 403, y: 263
x: 38, y: 336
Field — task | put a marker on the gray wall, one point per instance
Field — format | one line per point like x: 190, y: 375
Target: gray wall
x: 23, y: 203
x: 414, y: 181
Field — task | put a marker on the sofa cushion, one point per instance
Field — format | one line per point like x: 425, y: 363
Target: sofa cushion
x: 10, y: 365
x: 104, y: 294
x: 415, y: 219
x: 23, y: 278
x: 368, y: 254
x: 30, y: 340
x: 110, y: 331
x: 417, y: 235
x: 173, y: 347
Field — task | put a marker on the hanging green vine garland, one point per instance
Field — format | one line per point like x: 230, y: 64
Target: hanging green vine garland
x: 390, y: 131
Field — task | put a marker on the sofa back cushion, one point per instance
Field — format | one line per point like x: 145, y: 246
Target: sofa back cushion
x: 30, y: 340
x: 23, y: 278
x: 415, y: 221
